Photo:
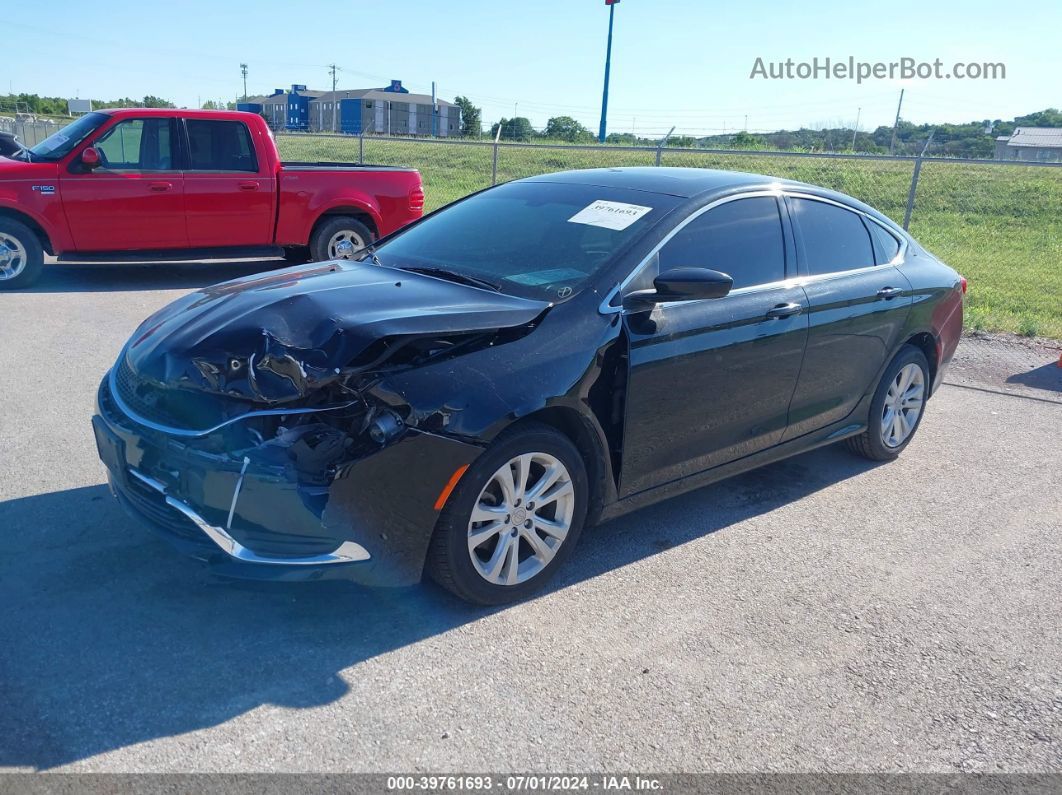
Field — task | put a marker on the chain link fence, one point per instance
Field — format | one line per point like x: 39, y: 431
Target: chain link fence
x: 30, y: 131
x: 997, y: 222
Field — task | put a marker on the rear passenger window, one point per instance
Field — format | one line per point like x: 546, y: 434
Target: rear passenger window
x: 742, y: 238
x: 220, y: 146
x: 835, y: 239
x: 887, y: 244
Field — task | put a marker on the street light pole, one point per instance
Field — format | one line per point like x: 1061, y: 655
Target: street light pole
x: 608, y: 64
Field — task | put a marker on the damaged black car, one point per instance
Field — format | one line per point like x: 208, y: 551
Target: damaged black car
x: 480, y: 386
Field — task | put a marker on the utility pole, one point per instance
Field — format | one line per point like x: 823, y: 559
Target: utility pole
x: 895, y: 124
x: 746, y: 122
x: 608, y: 66
x: 243, y: 71
x: 859, y: 112
x: 335, y: 102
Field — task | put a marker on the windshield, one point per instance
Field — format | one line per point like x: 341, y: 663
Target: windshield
x: 534, y: 239
x: 58, y: 145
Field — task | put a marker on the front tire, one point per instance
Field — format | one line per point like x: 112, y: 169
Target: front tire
x: 897, y: 408
x: 513, y: 519
x: 21, y: 255
x: 339, y: 237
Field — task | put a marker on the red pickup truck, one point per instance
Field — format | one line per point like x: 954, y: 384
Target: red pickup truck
x: 148, y: 183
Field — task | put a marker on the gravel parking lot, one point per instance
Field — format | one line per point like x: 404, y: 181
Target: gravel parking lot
x: 824, y: 613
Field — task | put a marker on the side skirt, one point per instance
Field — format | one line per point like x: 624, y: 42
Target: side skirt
x: 173, y: 254
x: 820, y: 438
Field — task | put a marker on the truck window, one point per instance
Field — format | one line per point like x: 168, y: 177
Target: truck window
x: 137, y: 145
x: 220, y: 146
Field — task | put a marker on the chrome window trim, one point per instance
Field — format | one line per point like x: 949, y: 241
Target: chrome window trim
x: 186, y: 432
x: 606, y: 308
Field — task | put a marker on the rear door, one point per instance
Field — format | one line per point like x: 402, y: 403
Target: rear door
x: 229, y: 194
x: 135, y: 198
x: 858, y: 305
x: 711, y: 380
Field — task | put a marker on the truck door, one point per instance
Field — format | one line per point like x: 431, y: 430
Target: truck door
x: 135, y: 198
x: 229, y: 192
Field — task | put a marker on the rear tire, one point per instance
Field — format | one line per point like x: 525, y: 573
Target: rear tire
x: 527, y: 533
x: 331, y: 238
x: 21, y: 255
x: 897, y: 408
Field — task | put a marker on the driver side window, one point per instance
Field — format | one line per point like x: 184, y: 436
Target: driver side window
x: 741, y: 238
x: 137, y: 145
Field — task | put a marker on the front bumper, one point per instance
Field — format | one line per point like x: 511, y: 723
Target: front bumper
x: 252, y: 518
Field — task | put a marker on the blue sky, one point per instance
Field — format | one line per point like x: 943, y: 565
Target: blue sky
x: 675, y: 62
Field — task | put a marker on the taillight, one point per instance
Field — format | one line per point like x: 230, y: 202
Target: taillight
x: 963, y: 280
x: 416, y: 199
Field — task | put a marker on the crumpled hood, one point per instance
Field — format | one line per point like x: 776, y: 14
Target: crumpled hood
x: 277, y: 336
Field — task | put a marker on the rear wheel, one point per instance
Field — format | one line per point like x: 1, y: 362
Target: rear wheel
x: 339, y: 237
x: 896, y: 409
x: 513, y: 519
x: 21, y: 255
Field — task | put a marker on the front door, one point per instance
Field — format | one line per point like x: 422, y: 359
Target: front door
x: 711, y: 380
x: 135, y: 198
x: 229, y: 195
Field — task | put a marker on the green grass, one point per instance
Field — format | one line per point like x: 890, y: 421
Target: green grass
x: 1000, y: 226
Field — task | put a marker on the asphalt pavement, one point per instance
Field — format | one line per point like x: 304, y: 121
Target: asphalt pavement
x: 822, y: 614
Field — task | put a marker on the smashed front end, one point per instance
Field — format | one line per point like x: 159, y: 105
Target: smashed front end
x: 256, y: 433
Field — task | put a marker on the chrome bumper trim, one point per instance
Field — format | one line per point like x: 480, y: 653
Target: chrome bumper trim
x: 347, y: 552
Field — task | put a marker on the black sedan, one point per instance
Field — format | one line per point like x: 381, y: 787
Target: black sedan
x: 480, y: 386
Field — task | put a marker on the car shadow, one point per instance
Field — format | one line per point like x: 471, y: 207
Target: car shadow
x: 1048, y: 378
x: 103, y: 277
x: 109, y: 638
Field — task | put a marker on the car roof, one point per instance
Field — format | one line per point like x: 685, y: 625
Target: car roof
x: 682, y: 182
x: 696, y: 183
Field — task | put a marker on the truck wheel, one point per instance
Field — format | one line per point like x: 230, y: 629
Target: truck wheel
x: 339, y: 237
x: 21, y: 255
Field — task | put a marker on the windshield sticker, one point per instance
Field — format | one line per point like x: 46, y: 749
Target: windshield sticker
x: 610, y: 215
x: 537, y: 278
x: 53, y: 142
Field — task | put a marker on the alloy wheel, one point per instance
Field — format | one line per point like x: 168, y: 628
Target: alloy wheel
x: 13, y: 257
x: 903, y: 405
x: 521, y: 518
x: 345, y: 244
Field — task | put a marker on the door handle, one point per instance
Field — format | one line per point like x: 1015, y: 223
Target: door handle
x: 889, y: 293
x: 249, y: 186
x: 160, y: 186
x: 785, y: 310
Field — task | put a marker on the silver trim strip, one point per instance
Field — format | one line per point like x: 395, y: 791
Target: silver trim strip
x: 347, y: 552
x: 113, y: 386
x: 236, y: 492
x: 606, y: 308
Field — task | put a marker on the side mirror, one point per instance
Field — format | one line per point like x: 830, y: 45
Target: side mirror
x: 90, y: 158
x: 681, y: 284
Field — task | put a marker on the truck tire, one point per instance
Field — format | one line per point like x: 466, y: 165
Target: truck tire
x: 339, y: 237
x: 21, y: 255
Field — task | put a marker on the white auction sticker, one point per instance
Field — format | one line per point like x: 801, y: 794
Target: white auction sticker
x: 610, y: 215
